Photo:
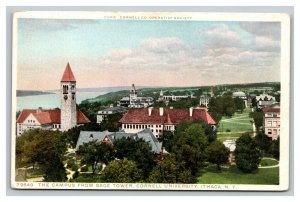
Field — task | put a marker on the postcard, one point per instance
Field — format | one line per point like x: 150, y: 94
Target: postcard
x: 150, y: 101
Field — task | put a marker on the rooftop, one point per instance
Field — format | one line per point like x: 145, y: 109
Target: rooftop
x: 49, y: 116
x: 68, y: 74
x: 174, y: 116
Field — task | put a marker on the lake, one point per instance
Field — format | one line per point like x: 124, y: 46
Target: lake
x: 50, y: 101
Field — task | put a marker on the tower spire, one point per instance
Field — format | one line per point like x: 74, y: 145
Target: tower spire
x: 68, y: 74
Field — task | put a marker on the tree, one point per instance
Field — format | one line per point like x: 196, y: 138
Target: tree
x: 217, y: 153
x: 122, y: 171
x: 247, y: 154
x: 257, y: 117
x: 95, y: 152
x: 189, y: 147
x: 54, y: 170
x: 275, y: 148
x: 111, y: 122
x: 166, y: 139
x: 263, y: 142
x: 253, y: 102
x: 239, y: 104
x: 228, y: 106
x: 136, y: 150
x: 168, y: 170
x: 45, y: 148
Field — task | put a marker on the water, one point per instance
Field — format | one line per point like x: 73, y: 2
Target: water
x: 50, y: 101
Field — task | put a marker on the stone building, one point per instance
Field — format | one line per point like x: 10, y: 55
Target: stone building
x: 271, y: 121
x: 160, y: 120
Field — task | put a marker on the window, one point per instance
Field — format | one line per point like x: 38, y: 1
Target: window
x: 65, y: 89
x: 274, y: 132
x: 269, y: 131
x: 269, y: 123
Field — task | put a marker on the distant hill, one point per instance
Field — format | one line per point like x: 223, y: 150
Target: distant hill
x: 22, y: 93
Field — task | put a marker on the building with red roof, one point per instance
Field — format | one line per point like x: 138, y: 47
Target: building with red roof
x: 271, y: 121
x: 55, y: 119
x: 161, y: 119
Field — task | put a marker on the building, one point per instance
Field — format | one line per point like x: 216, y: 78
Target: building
x: 102, y: 114
x: 111, y: 137
x: 264, y: 100
x: 242, y: 96
x: 204, y: 101
x: 168, y: 98
x: 55, y: 119
x: 133, y: 101
x: 271, y: 121
x: 159, y: 120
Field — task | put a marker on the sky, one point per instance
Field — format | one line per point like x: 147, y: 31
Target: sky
x: 104, y: 53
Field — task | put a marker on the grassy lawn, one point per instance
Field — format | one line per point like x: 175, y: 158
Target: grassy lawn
x: 233, y: 127
x: 268, y: 162
x: 232, y: 175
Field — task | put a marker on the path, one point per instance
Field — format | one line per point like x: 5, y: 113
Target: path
x: 274, y: 166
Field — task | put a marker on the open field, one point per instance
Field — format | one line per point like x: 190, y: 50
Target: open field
x: 232, y: 175
x: 233, y: 127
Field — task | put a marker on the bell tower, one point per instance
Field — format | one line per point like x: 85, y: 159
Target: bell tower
x: 68, y: 114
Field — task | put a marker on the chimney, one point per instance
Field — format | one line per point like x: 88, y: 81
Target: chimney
x: 149, y: 111
x: 111, y: 105
x: 161, y: 111
x: 39, y: 110
x: 171, y: 107
x: 191, y: 111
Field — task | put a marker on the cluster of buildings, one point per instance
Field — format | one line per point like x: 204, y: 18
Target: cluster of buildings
x: 170, y: 98
x: 137, y: 122
x: 133, y: 101
x: 140, y: 120
x: 271, y: 112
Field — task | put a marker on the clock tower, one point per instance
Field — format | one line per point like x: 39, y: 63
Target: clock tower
x: 68, y: 114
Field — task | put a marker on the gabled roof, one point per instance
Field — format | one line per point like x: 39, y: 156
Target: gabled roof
x: 174, y: 116
x: 68, y: 75
x: 271, y: 109
x: 49, y: 116
x: 146, y: 135
x: 88, y: 136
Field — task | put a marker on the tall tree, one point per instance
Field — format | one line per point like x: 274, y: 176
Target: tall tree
x: 189, y: 147
x: 111, y: 122
x: 247, y: 154
x: 239, y: 104
x: 217, y: 153
x: 136, y: 150
x: 45, y: 148
x: 122, y: 171
x: 258, y: 118
x: 168, y: 170
x: 95, y: 152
